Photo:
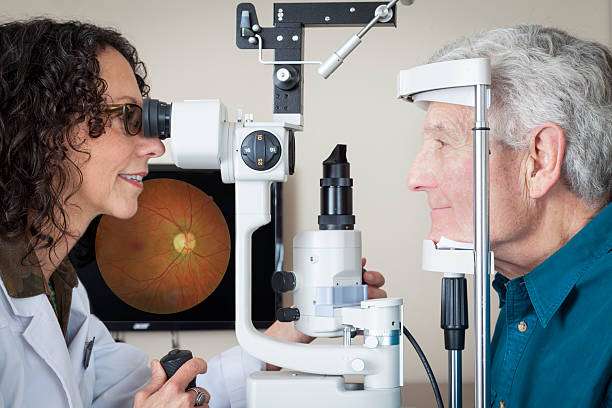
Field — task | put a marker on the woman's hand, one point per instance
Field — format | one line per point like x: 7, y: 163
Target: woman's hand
x: 374, y: 280
x: 287, y: 331
x: 159, y: 393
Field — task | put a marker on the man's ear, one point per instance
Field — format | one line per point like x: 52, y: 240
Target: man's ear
x: 545, y: 161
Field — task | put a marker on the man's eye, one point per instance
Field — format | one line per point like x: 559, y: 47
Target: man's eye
x: 441, y: 143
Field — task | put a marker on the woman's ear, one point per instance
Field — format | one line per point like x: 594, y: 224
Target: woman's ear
x: 545, y: 161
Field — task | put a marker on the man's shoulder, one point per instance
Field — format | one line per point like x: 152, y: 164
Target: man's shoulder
x: 595, y: 278
x: 587, y: 311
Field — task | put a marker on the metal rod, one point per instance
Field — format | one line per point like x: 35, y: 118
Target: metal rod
x: 374, y: 20
x: 482, y: 254
x: 454, y: 379
x: 262, y: 61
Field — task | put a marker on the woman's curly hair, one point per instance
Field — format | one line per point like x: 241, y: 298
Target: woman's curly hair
x: 49, y: 84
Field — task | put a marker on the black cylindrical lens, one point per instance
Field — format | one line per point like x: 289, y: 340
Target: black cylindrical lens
x: 156, y: 118
x: 337, y: 192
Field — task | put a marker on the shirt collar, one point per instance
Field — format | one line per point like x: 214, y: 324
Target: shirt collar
x: 499, y: 284
x: 549, y: 283
x: 23, y: 277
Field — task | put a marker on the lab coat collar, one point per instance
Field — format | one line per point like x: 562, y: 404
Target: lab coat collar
x: 23, y: 278
x: 43, y: 333
x: 26, y: 307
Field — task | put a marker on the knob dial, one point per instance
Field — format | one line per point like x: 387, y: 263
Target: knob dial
x: 260, y: 150
x: 283, y: 281
x: 287, y: 314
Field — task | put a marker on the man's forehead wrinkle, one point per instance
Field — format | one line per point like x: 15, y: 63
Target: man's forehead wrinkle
x: 449, y: 122
x: 435, y: 127
x: 445, y: 127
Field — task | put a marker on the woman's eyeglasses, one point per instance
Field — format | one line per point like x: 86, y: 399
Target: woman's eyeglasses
x: 130, y: 113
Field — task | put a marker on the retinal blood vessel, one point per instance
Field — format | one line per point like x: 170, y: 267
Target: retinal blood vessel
x: 171, y: 255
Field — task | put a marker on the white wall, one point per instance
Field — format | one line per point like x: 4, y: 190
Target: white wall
x: 190, y: 51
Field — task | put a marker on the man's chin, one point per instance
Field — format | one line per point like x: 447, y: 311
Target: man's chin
x: 436, y: 236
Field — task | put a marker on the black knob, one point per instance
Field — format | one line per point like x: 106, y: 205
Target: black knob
x: 172, y: 361
x: 261, y: 150
x: 283, y: 281
x: 287, y: 314
x: 286, y: 77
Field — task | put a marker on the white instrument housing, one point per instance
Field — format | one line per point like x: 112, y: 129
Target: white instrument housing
x: 328, y: 264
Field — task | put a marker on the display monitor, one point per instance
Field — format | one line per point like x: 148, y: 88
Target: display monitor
x: 171, y: 266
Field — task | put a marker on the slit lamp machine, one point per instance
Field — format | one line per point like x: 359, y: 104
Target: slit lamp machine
x: 326, y: 281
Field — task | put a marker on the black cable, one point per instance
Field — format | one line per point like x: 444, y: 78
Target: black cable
x: 430, y: 374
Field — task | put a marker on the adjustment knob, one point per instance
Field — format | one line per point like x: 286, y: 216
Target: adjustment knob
x: 283, y: 281
x: 358, y: 365
x: 172, y: 361
x: 286, y: 78
x: 287, y: 314
x: 260, y: 150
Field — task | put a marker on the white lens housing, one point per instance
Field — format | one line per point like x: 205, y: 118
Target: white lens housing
x: 198, y: 129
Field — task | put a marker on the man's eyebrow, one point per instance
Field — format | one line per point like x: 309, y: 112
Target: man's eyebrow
x: 436, y: 127
x: 450, y: 131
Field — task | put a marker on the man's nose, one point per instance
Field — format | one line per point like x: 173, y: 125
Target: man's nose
x: 421, y: 176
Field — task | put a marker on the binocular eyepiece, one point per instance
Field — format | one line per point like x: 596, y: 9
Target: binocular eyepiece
x: 156, y: 118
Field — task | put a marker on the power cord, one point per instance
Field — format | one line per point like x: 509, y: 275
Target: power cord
x: 428, y: 370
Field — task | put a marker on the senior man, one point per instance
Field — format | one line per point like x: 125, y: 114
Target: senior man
x: 551, y: 218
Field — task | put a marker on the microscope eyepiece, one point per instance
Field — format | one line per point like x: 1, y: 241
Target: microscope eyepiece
x: 337, y: 192
x: 156, y: 118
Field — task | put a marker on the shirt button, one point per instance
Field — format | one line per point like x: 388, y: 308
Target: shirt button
x: 522, y: 327
x: 502, y: 404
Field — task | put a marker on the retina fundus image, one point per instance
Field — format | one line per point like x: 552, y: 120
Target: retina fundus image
x: 171, y: 255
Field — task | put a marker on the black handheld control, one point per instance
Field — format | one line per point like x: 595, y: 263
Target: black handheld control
x: 172, y: 361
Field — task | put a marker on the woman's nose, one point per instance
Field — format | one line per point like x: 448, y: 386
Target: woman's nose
x: 151, y: 147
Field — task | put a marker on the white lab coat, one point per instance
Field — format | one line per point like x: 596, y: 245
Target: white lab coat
x: 41, y: 368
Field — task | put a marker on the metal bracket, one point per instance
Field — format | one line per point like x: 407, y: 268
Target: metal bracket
x: 286, y: 38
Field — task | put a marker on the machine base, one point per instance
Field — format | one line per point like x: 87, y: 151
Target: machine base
x: 282, y: 389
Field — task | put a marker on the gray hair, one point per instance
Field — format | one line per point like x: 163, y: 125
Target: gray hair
x: 541, y: 74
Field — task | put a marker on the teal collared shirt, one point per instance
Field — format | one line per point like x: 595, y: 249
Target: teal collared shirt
x: 552, y: 345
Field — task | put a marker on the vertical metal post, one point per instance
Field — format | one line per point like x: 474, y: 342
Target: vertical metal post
x: 482, y: 261
x: 455, y: 398
x: 347, y: 336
